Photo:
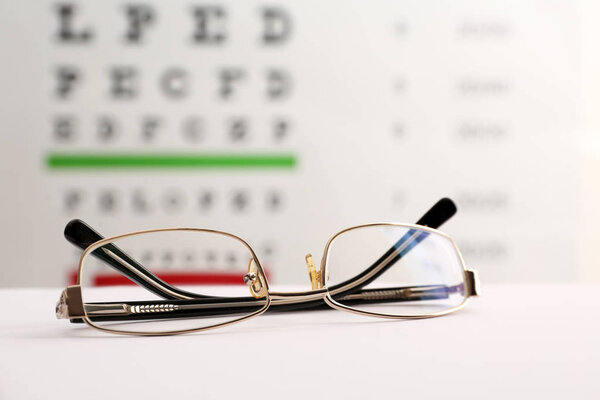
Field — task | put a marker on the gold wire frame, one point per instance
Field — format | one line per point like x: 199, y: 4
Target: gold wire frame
x: 273, y: 297
x: 338, y: 306
x: 102, y: 242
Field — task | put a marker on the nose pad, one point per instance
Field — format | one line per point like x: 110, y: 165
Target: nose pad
x: 255, y: 281
x: 313, y: 274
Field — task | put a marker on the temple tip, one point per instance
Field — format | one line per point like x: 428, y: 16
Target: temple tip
x: 80, y: 234
x: 441, y: 212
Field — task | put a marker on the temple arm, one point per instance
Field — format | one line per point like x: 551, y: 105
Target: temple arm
x: 82, y: 235
x: 169, y: 309
x: 441, y: 211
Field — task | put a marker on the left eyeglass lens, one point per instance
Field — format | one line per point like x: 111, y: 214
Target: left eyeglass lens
x: 395, y: 270
x: 169, y: 281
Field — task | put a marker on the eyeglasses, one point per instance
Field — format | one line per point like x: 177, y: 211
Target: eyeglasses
x: 386, y: 270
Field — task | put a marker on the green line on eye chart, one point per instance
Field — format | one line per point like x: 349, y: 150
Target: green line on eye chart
x: 88, y: 161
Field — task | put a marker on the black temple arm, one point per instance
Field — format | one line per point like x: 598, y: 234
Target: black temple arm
x: 169, y: 309
x: 437, y: 215
x: 82, y: 235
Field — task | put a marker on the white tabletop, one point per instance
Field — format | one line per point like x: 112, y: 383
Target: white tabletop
x: 512, y: 342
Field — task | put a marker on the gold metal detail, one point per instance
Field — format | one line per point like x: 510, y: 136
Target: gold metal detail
x: 254, y: 281
x: 152, y: 308
x: 472, y: 282
x: 119, y: 309
x: 313, y: 274
x: 99, y: 309
x: 403, y: 293
x: 70, y: 304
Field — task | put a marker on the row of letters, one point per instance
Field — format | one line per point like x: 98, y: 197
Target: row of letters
x: 175, y: 83
x: 170, y: 201
x: 189, y: 259
x: 68, y: 129
x: 208, y: 24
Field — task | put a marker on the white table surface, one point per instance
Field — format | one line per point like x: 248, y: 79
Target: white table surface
x: 535, y: 342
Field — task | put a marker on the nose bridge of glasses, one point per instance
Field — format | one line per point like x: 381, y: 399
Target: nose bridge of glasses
x: 313, y: 274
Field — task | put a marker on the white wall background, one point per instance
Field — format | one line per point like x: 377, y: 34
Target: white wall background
x: 393, y: 104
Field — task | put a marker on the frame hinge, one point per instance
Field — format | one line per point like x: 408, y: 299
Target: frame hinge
x: 472, y: 282
x: 70, y: 304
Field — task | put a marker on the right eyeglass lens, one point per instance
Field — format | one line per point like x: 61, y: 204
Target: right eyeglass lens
x: 170, y: 281
x: 395, y: 270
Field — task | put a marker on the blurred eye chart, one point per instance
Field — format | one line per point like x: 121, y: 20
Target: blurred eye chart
x: 284, y: 122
